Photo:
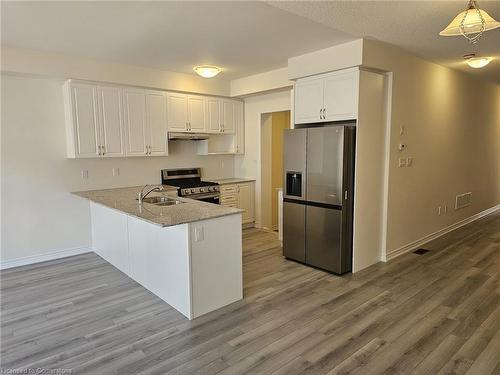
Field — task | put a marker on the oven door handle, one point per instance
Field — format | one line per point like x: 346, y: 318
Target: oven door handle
x: 204, y: 196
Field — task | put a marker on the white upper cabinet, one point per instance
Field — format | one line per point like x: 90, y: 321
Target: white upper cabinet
x: 135, y: 122
x: 106, y: 120
x: 308, y: 101
x: 177, y: 112
x: 94, y: 122
x: 196, y: 113
x: 340, y: 96
x: 228, y: 116
x: 239, y: 129
x: 213, y: 115
x: 327, y: 97
x: 157, y: 123
x: 146, y: 123
x: 111, y: 121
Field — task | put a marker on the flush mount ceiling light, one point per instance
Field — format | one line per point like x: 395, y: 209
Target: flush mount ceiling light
x: 471, y: 23
x: 477, y: 62
x: 207, y: 71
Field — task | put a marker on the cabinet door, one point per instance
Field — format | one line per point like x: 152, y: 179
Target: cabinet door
x: 245, y: 201
x: 340, y: 96
x: 111, y: 121
x: 157, y: 123
x: 213, y: 115
x: 228, y: 116
x: 239, y: 147
x: 85, y: 123
x: 196, y: 114
x: 177, y: 112
x: 308, y: 101
x: 135, y: 120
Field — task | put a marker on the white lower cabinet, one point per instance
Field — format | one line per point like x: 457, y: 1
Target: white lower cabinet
x: 195, y: 267
x: 241, y: 196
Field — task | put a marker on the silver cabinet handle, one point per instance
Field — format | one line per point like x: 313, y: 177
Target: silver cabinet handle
x: 320, y: 113
x: 103, y: 148
x: 99, y: 150
x: 324, y: 113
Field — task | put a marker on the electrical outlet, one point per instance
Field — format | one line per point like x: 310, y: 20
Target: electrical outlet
x: 116, y: 172
x: 84, y: 174
x: 401, y: 130
x: 402, y: 162
x: 409, y: 161
x: 199, y: 234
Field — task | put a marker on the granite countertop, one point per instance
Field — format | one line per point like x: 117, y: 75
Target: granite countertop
x: 227, y: 181
x: 125, y: 200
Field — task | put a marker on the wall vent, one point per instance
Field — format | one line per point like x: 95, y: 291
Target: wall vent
x: 463, y: 200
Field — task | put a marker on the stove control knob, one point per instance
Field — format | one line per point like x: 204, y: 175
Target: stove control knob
x: 193, y: 191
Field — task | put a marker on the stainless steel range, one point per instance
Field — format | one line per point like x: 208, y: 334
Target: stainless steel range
x: 189, y: 184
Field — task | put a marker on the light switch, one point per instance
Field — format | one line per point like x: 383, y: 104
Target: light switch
x: 84, y: 173
x: 199, y: 234
x: 402, y: 162
x: 116, y: 172
x: 409, y: 161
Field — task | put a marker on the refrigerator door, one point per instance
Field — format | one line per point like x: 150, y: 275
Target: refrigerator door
x: 325, y: 150
x: 294, y: 163
x: 294, y: 227
x: 323, y: 240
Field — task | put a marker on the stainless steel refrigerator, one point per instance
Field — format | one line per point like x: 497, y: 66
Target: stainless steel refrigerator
x: 318, y: 196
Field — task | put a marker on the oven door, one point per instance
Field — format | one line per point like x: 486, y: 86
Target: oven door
x: 210, y: 198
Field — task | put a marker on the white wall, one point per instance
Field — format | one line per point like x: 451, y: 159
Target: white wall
x: 248, y: 165
x: 259, y: 83
x: 15, y: 60
x: 451, y: 128
x: 38, y: 213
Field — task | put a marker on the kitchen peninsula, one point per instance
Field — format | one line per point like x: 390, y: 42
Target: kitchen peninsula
x: 187, y: 252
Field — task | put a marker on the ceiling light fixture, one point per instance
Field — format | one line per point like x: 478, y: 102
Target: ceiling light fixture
x: 477, y: 62
x: 471, y: 23
x: 207, y: 71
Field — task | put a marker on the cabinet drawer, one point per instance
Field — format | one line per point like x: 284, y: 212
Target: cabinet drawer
x: 229, y: 204
x: 228, y: 198
x: 228, y: 189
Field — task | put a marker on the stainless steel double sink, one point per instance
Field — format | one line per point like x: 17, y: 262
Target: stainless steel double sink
x: 162, y: 201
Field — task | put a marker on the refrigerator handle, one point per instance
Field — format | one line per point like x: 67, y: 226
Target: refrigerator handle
x: 345, y: 195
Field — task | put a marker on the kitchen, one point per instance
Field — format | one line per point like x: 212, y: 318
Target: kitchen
x: 133, y: 202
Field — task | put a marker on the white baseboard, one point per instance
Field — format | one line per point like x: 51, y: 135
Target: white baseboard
x: 421, y: 241
x: 5, y: 264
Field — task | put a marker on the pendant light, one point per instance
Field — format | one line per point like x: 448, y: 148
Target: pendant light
x: 477, y: 62
x: 471, y: 23
x: 207, y: 71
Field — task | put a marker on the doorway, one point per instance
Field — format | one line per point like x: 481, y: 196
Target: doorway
x: 271, y: 158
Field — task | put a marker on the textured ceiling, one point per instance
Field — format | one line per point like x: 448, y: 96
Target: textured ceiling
x: 242, y: 37
x: 411, y: 25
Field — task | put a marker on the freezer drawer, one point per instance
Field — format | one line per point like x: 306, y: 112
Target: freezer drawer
x: 323, y: 240
x: 294, y: 227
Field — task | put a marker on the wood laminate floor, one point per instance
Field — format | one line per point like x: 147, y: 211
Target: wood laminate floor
x: 437, y: 313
